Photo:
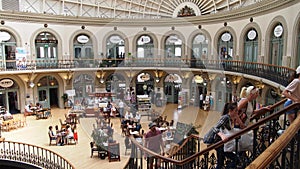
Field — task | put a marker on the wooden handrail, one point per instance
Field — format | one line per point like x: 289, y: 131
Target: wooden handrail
x: 268, y: 156
x: 264, y: 110
x: 220, y: 143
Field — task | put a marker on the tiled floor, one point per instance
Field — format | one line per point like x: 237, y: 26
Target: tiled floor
x: 79, y: 155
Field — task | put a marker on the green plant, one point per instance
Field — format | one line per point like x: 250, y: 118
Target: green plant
x: 99, y: 137
x: 65, y: 97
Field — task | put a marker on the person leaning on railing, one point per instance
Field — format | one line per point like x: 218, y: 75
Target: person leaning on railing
x: 292, y: 92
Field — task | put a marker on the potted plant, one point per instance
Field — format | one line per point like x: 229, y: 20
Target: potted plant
x: 99, y: 138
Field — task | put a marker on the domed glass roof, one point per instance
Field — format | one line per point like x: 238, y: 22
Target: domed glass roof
x: 150, y: 9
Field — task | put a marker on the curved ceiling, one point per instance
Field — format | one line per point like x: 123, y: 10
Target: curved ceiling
x: 150, y: 9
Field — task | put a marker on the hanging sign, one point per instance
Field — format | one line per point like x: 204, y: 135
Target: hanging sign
x: 82, y: 39
x: 4, y: 36
x: 278, y: 30
x: 252, y: 34
x: 115, y: 39
x: 226, y: 37
x: 21, y: 58
x: 5, y: 83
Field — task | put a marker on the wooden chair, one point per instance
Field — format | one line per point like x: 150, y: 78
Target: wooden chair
x: 63, y: 125
x: 94, y: 149
x: 127, y: 144
x: 51, y: 139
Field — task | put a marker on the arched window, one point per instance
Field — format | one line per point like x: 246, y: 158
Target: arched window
x: 276, y: 45
x: 145, y: 47
x: 46, y: 46
x: 200, y: 45
x: 251, y: 46
x: 83, y: 51
x: 225, y: 46
x: 173, y: 47
x: 7, y: 49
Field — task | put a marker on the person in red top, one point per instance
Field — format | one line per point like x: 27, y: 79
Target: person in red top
x: 154, y: 142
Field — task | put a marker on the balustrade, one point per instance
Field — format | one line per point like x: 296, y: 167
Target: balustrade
x: 38, y: 156
x: 190, y: 154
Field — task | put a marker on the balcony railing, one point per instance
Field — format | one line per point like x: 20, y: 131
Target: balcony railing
x: 38, y: 156
x: 265, y: 134
x: 277, y: 74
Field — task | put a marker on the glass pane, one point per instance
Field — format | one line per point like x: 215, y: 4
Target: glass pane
x: 42, y: 95
x: 178, y: 51
x: 77, y: 52
x: 42, y: 54
x: 88, y: 53
x: 140, y: 53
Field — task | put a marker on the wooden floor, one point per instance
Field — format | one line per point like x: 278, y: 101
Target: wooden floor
x: 79, y: 155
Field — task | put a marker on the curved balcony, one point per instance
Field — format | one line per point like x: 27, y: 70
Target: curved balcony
x: 276, y: 74
x: 31, y: 156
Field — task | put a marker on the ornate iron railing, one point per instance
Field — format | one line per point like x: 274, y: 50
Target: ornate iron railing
x: 32, y: 154
x: 265, y: 133
x: 277, y: 74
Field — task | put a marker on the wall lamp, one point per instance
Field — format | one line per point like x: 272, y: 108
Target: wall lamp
x: 100, y: 75
x: 68, y: 76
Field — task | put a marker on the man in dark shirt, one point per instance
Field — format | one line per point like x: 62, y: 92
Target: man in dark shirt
x: 154, y: 142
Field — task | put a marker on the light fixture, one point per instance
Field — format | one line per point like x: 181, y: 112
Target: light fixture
x: 39, y: 84
x: 145, y: 87
x: 100, y: 75
x: 31, y: 84
x: 157, y: 80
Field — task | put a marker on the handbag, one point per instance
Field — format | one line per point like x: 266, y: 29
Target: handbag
x: 210, y: 137
x: 245, y: 143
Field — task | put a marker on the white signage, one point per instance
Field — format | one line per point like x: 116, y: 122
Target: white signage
x: 21, y: 58
x: 4, y: 36
x: 115, y: 39
x: 200, y: 39
x: 70, y: 92
x: 252, y: 34
x: 278, y: 30
x: 226, y: 37
x: 5, y: 83
x: 82, y: 39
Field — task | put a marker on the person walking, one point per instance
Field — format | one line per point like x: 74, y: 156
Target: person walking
x: 154, y: 142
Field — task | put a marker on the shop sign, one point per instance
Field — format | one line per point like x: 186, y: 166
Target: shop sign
x: 82, y: 39
x: 278, y: 31
x: 4, y: 36
x: 226, y: 37
x: 252, y: 34
x: 5, y: 83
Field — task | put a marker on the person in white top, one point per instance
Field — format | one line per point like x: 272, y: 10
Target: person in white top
x: 292, y: 92
x: 128, y: 115
x: 138, y: 116
x: 121, y: 108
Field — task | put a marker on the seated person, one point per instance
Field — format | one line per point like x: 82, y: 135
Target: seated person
x: 110, y: 130
x: 29, y: 108
x: 138, y: 117
x: 51, y: 134
x: 38, y: 106
x: 58, y: 135
x: 69, y: 133
x: 128, y: 115
x: 7, y: 115
x: 169, y: 133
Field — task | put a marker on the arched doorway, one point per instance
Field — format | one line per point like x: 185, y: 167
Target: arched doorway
x: 48, y: 95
